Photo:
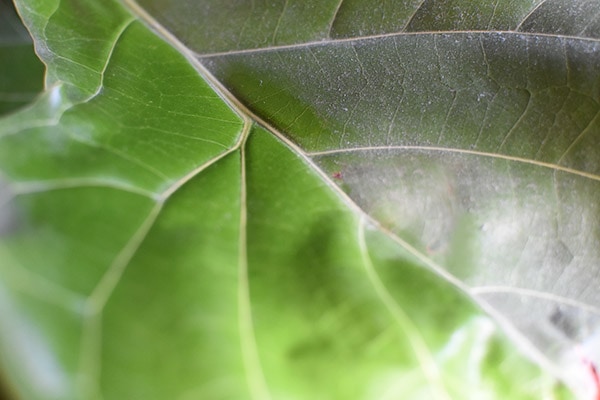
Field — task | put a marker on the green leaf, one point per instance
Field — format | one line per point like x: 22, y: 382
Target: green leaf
x: 21, y: 72
x: 360, y: 200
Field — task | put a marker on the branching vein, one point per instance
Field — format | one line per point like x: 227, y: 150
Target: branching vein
x: 254, y: 372
x: 334, y: 42
x: 424, y: 356
x: 533, y: 10
x: 459, y: 151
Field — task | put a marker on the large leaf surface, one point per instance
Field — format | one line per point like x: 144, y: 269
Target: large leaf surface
x: 159, y: 243
x: 468, y: 129
x: 479, y: 149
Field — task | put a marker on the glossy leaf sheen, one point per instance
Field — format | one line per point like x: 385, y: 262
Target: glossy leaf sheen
x: 337, y: 239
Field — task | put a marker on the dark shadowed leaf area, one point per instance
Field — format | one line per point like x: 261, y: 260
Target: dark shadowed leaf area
x: 21, y: 72
x: 288, y: 199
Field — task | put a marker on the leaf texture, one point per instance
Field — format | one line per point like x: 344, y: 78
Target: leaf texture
x: 469, y: 129
x: 333, y: 212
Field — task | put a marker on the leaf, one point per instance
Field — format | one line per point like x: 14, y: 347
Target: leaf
x: 20, y: 70
x: 343, y: 237
x: 470, y: 131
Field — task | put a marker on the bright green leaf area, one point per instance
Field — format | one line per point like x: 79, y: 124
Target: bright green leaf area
x: 360, y: 200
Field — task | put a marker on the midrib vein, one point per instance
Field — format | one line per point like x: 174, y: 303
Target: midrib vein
x: 250, y: 117
x: 257, y: 383
x: 254, y: 374
x: 251, y: 358
x: 418, y: 345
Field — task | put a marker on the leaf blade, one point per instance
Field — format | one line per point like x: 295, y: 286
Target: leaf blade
x: 272, y: 207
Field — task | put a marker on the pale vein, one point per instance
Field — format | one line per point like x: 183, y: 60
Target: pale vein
x: 333, y: 42
x: 460, y: 151
x: 424, y: 356
x: 254, y: 372
x: 487, y: 290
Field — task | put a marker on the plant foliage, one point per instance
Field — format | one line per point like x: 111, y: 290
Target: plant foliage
x: 303, y: 200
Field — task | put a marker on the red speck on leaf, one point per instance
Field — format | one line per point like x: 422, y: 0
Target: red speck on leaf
x: 337, y: 175
x: 594, y: 372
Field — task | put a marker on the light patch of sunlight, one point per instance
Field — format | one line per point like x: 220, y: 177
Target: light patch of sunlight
x: 29, y: 352
x: 55, y: 97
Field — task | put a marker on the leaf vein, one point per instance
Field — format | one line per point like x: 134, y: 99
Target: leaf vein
x: 410, y: 19
x: 251, y: 358
x: 90, y: 355
x: 385, y: 35
x: 580, y: 137
x: 333, y: 18
x: 483, y: 290
x: 407, y: 326
x: 29, y: 187
x: 276, y: 30
x: 460, y: 151
x: 526, y: 17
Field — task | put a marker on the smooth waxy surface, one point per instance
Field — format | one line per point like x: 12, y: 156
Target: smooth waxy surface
x: 329, y: 236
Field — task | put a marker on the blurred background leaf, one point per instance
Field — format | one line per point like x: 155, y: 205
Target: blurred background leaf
x: 21, y: 72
